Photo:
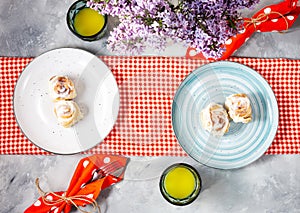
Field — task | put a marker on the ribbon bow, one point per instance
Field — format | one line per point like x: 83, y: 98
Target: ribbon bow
x: 81, y: 190
x: 278, y: 17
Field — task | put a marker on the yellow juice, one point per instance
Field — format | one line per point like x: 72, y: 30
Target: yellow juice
x: 180, y: 183
x: 88, y: 22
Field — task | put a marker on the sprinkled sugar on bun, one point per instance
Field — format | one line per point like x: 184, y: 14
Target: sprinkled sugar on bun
x: 239, y: 108
x: 67, y: 113
x: 61, y: 88
x: 214, y: 119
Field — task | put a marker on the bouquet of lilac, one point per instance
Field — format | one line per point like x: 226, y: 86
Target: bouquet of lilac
x: 202, y: 24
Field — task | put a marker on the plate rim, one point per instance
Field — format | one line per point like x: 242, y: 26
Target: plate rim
x: 22, y: 74
x: 244, y: 68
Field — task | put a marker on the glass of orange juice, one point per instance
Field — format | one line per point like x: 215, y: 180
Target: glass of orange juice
x: 86, y: 23
x: 180, y: 184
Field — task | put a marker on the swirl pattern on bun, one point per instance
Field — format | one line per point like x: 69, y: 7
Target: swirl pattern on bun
x: 67, y: 113
x: 214, y: 119
x: 61, y: 88
x: 239, y: 108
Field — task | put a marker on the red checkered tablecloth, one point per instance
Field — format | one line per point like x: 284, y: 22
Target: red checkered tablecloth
x: 147, y: 86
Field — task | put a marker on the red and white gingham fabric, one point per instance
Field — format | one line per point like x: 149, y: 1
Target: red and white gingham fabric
x: 147, y: 86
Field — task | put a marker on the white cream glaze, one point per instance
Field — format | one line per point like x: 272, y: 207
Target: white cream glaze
x: 214, y: 119
x: 67, y: 113
x: 61, y: 88
x: 239, y: 108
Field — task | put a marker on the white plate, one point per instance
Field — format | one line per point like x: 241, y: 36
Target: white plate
x: 244, y: 143
x: 97, y: 96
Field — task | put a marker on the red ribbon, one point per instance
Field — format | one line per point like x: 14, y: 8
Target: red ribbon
x: 80, y: 192
x: 278, y: 17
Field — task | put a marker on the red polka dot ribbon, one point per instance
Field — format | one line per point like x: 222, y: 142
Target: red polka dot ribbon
x: 81, y: 191
x: 273, y: 18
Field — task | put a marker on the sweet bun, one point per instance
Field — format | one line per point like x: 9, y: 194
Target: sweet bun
x: 214, y: 119
x: 61, y: 88
x: 67, y: 113
x: 239, y: 108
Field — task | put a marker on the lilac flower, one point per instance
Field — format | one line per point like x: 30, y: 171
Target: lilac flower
x: 202, y: 24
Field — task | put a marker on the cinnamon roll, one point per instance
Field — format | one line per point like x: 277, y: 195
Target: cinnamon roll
x: 61, y: 88
x: 214, y: 119
x: 67, y: 113
x: 239, y: 108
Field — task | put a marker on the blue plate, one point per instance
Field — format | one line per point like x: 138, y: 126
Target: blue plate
x: 244, y: 143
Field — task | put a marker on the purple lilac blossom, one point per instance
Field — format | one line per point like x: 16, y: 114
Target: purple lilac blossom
x: 202, y: 24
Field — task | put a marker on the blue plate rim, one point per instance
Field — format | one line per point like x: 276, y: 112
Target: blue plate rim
x: 271, y: 95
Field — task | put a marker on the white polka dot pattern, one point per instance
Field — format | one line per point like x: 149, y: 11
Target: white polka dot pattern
x: 37, y: 203
x: 85, y: 163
